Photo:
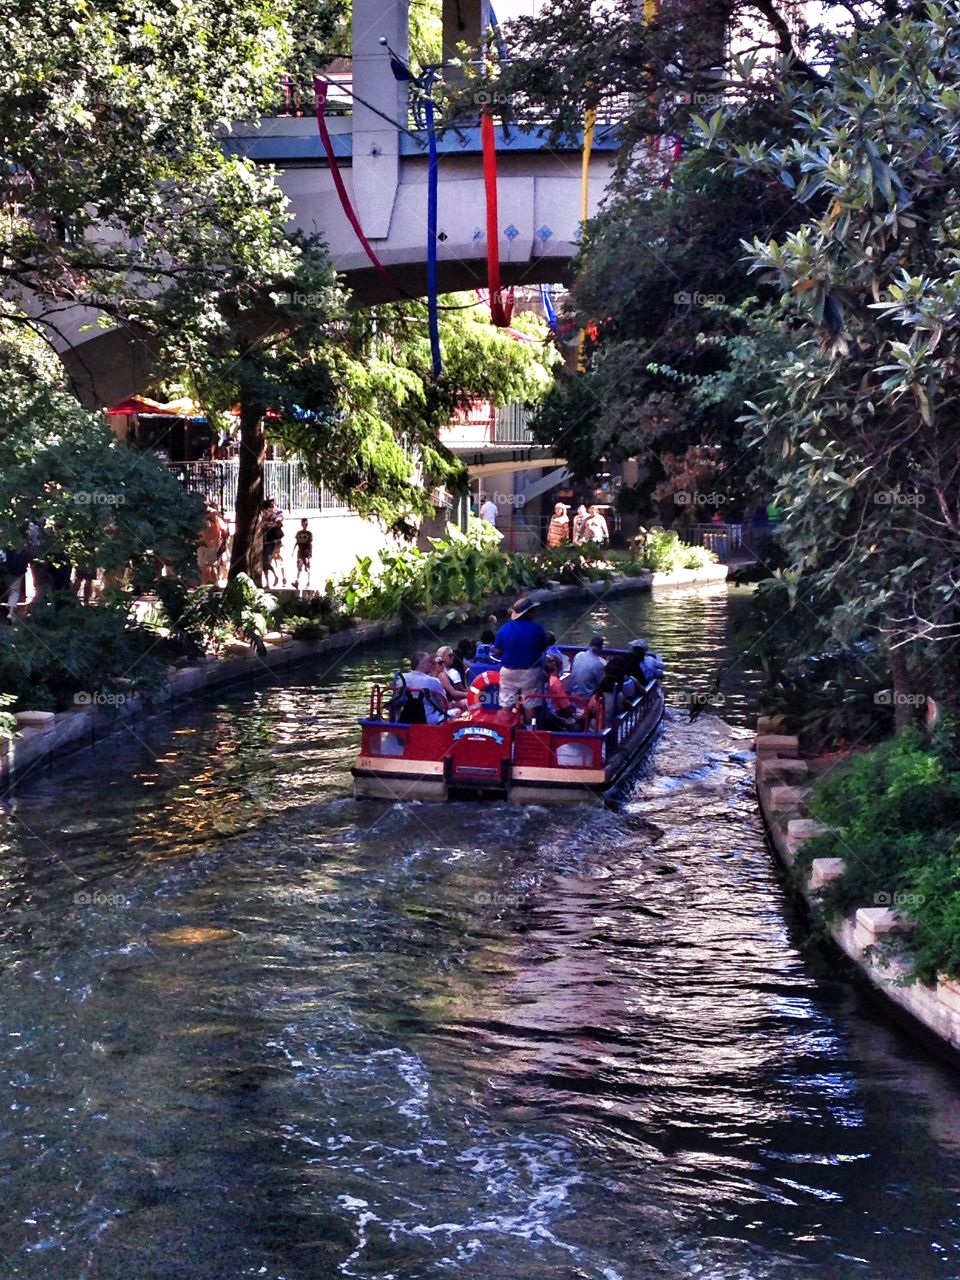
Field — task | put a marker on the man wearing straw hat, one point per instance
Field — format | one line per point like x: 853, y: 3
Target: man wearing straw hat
x: 520, y: 646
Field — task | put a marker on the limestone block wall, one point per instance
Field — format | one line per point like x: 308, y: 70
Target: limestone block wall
x: 783, y: 792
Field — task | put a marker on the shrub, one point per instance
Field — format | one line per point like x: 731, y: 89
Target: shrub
x: 462, y: 568
x: 201, y: 618
x: 663, y: 551
x: 65, y: 649
x: 574, y: 564
x: 895, y: 818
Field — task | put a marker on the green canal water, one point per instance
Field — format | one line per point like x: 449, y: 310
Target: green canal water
x: 252, y: 1028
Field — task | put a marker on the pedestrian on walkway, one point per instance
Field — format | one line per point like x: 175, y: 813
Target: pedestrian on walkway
x: 596, y: 529
x: 579, y: 526
x: 14, y: 562
x: 558, y: 530
x: 304, y: 540
x: 212, y: 538
x: 272, y: 518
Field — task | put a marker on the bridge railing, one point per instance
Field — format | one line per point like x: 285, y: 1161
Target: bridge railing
x: 284, y: 481
x: 296, y: 97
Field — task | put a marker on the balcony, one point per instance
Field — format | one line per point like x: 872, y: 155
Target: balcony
x: 482, y: 426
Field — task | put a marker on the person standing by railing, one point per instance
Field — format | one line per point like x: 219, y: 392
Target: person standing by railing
x: 558, y: 530
x: 580, y: 526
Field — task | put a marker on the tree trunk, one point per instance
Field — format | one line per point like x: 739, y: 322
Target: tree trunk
x: 247, y: 554
x: 903, y: 707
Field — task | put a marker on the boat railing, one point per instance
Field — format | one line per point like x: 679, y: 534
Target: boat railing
x: 626, y: 721
x: 376, y: 703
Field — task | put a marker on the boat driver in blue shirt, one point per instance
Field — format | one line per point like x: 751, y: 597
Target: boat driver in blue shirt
x: 520, y: 646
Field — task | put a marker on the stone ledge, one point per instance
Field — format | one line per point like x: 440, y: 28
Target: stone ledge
x: 690, y: 577
x: 773, y: 744
x: 789, y: 799
x: 936, y: 1010
x: 800, y: 830
x: 36, y: 721
x: 776, y: 769
x: 871, y: 923
x: 823, y: 870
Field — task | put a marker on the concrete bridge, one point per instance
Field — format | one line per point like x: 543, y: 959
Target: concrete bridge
x: 383, y: 156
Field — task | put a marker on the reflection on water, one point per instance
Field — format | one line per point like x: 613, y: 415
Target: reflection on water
x: 253, y: 1028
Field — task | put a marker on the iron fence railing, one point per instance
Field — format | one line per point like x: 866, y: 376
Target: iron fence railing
x: 727, y: 539
x: 512, y: 425
x: 285, y: 482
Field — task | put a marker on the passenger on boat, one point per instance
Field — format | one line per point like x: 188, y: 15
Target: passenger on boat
x: 520, y: 646
x: 466, y: 651
x: 587, y: 669
x: 611, y: 690
x: 419, y: 688
x: 559, y: 711
x: 449, y: 675
x: 554, y: 651
x: 484, y: 650
x: 649, y: 665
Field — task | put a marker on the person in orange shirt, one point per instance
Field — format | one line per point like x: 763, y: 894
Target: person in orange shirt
x: 558, y: 530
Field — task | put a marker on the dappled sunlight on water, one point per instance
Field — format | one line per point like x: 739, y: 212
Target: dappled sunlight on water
x: 254, y: 1028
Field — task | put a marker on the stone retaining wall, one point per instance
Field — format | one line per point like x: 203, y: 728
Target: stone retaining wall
x: 44, y: 734
x: 783, y: 790
x: 690, y: 577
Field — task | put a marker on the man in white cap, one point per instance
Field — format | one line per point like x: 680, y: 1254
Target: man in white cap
x: 651, y: 664
x: 520, y: 646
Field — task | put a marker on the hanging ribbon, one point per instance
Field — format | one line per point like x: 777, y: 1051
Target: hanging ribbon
x: 499, y: 310
x: 546, y: 301
x: 433, y: 315
x: 668, y: 176
x: 320, y: 89
x: 589, y: 127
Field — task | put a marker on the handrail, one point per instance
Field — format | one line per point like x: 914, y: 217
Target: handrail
x: 376, y: 702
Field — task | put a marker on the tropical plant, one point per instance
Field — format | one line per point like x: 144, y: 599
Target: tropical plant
x: 103, y: 505
x: 208, y: 617
x: 854, y: 420
x: 8, y: 720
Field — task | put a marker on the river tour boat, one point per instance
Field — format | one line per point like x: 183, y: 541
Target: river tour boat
x: 488, y: 751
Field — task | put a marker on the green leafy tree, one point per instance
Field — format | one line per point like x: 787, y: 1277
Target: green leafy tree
x: 352, y: 391
x: 663, y: 269
x: 104, y: 506
x: 857, y: 418
x: 115, y: 181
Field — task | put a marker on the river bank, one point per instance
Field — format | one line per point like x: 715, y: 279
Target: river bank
x: 46, y: 734
x: 783, y: 787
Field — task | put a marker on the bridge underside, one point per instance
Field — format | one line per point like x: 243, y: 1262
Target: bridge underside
x: 109, y: 364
